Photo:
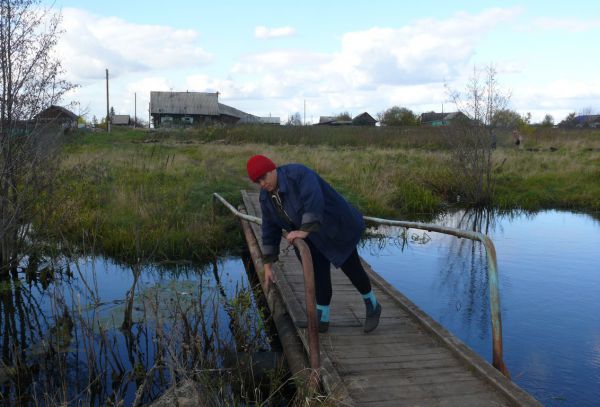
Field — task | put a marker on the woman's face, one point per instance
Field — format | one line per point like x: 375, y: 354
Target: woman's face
x: 268, y: 182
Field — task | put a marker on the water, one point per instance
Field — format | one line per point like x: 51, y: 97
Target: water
x: 62, y: 328
x: 549, y: 272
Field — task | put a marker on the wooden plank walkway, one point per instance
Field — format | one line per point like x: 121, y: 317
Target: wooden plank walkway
x: 408, y: 360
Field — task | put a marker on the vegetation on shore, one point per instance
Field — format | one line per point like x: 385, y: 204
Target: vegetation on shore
x: 139, y: 194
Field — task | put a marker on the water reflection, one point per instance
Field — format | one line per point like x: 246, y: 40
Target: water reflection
x: 96, y: 332
x: 549, y: 284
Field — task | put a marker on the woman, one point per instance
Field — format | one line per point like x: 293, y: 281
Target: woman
x: 295, y: 198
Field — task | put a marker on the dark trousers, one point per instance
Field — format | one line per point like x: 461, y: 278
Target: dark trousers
x: 352, y: 267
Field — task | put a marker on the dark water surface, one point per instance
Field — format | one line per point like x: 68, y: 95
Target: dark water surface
x: 62, y: 338
x: 549, y: 272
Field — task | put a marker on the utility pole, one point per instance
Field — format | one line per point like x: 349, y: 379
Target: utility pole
x: 107, y: 103
x: 305, y: 112
x: 134, y: 109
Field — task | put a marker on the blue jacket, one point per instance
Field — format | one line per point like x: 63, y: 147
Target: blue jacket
x: 307, y: 198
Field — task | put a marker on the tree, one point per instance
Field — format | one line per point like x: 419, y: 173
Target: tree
x: 30, y: 80
x: 294, y: 120
x: 343, y: 116
x: 398, y: 116
x: 473, y: 141
x: 507, y: 119
x: 548, y: 121
x: 568, y: 121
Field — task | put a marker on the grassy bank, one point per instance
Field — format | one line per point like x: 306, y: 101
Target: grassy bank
x: 139, y: 194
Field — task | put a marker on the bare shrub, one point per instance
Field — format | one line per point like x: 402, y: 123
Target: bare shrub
x: 472, y: 140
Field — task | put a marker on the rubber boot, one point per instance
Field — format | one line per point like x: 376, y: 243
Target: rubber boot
x: 323, y: 326
x: 372, y: 315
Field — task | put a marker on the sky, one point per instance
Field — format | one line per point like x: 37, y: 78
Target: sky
x: 273, y: 58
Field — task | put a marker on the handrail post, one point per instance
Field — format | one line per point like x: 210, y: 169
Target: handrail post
x: 497, y: 351
x: 309, y: 292
x: 311, y: 310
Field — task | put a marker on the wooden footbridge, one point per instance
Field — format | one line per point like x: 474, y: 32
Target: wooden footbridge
x: 408, y: 360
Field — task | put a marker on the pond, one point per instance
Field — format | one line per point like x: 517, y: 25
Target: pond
x: 63, y: 335
x: 549, y: 272
x: 72, y: 333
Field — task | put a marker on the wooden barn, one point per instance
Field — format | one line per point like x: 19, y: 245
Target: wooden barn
x: 197, y: 108
x: 57, y: 116
x: 181, y: 108
x: 364, y: 119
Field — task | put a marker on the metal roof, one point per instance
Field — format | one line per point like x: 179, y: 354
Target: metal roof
x: 232, y: 111
x: 120, y: 119
x: 270, y: 120
x: 192, y: 103
x: 326, y: 119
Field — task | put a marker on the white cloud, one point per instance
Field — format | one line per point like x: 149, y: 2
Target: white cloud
x: 412, y: 60
x: 263, y: 32
x: 426, y: 52
x: 566, y: 24
x: 279, y: 60
x: 91, y: 44
x: 370, y: 70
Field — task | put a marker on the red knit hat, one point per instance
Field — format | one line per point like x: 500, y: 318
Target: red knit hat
x: 259, y: 165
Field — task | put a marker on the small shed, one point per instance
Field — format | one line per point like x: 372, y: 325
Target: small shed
x: 57, y: 116
x: 121, y: 120
x: 442, y: 119
x: 273, y: 120
x: 364, y: 119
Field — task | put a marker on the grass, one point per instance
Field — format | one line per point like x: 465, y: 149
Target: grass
x: 145, y: 194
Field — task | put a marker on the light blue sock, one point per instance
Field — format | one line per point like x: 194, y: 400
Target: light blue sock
x: 370, y: 296
x: 324, y: 312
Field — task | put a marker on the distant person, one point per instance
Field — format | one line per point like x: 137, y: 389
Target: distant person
x: 517, y: 138
x: 295, y: 198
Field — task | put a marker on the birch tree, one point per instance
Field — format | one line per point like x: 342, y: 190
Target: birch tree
x: 30, y: 80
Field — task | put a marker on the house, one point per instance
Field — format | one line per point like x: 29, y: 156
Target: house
x: 442, y: 119
x: 364, y: 119
x: 120, y: 120
x: 587, y: 121
x: 325, y: 120
x: 332, y: 121
x: 181, y: 108
x: 197, y: 108
x: 57, y: 116
x: 276, y: 121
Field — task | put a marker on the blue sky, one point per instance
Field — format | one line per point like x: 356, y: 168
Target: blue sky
x: 268, y: 57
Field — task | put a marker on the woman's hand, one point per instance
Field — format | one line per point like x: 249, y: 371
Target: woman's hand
x: 269, y: 276
x: 296, y: 234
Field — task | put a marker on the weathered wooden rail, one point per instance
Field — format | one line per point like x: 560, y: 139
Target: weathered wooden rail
x: 408, y: 360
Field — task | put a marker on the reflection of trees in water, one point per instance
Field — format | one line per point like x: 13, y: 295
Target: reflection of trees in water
x: 384, y: 236
x: 60, y: 342
x: 464, y: 272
